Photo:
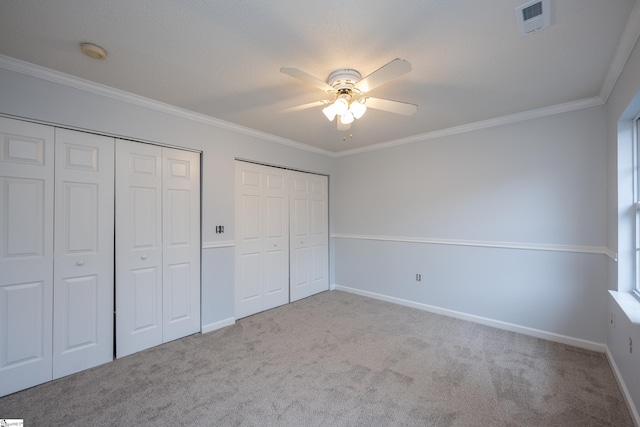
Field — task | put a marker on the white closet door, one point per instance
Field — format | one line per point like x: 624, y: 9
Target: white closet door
x: 138, y: 247
x: 83, y: 262
x: 26, y: 254
x: 262, y: 245
x: 181, y: 243
x: 309, y: 235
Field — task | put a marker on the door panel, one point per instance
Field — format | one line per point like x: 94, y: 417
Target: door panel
x: 274, y: 280
x: 81, y: 309
x: 23, y: 226
x: 81, y: 226
x: 180, y: 308
x: 300, y: 238
x: 181, y: 247
x: 262, y: 260
x: 301, y: 216
x: 274, y: 248
x: 178, y: 218
x: 145, y: 315
x: 24, y: 324
x: 250, y: 276
x: 138, y: 247
x: 144, y: 217
x: 26, y: 254
x: 309, y: 235
x: 83, y: 265
x: 319, y: 228
x: 300, y: 266
x: 275, y: 212
x: 250, y: 226
x: 318, y: 218
x: 319, y: 262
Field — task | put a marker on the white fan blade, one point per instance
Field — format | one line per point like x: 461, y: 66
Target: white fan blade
x: 297, y: 73
x: 390, y: 71
x: 342, y: 126
x: 397, y: 107
x: 305, y: 106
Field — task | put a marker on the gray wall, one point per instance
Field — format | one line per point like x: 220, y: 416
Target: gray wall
x: 539, y: 183
x: 24, y: 96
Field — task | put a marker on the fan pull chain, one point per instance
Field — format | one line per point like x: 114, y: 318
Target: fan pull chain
x: 344, y: 138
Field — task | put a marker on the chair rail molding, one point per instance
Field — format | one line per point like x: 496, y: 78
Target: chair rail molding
x: 483, y: 243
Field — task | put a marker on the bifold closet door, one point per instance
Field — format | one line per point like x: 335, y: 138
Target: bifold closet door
x: 157, y: 245
x: 26, y: 254
x: 309, y: 235
x: 83, y: 252
x: 282, y: 237
x: 262, y: 238
x: 138, y: 247
x: 181, y: 243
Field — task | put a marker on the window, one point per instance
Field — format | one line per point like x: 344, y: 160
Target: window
x: 636, y: 201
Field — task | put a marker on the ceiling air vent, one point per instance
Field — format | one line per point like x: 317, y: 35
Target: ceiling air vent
x: 533, y: 16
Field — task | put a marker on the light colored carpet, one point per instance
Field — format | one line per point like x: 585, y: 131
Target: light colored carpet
x: 338, y: 359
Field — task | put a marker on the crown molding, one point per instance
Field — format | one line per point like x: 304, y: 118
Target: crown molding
x: 625, y: 47
x: 470, y: 127
x: 37, y: 71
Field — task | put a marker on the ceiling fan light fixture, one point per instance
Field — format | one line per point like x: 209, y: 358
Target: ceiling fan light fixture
x: 330, y: 112
x: 340, y: 106
x: 357, y: 108
x: 346, y: 118
x: 349, y: 90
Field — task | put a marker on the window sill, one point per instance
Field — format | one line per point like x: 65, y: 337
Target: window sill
x: 629, y: 305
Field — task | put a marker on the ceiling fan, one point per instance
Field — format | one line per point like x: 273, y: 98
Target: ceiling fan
x: 349, y: 90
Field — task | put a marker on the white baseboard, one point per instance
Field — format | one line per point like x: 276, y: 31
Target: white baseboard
x: 218, y: 325
x: 623, y: 388
x: 576, y: 342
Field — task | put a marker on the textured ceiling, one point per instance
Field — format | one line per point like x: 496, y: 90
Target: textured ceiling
x: 222, y: 58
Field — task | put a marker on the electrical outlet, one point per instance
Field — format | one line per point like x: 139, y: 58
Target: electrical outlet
x: 418, y: 277
x: 613, y: 319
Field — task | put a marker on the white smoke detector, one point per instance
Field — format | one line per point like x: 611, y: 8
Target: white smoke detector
x: 533, y: 16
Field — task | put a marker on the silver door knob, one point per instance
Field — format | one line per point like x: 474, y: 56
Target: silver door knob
x: 80, y: 263
x: 143, y: 257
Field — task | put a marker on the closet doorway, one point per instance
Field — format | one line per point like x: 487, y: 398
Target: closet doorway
x: 282, y: 237
x: 157, y: 245
x: 59, y: 203
x: 56, y: 253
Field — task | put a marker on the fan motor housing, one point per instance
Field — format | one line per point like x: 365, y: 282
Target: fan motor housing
x: 343, y: 79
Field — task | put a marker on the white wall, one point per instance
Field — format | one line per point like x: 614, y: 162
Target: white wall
x: 538, y: 183
x: 622, y: 105
x: 25, y: 96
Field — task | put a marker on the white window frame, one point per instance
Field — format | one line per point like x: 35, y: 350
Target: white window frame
x: 636, y: 202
